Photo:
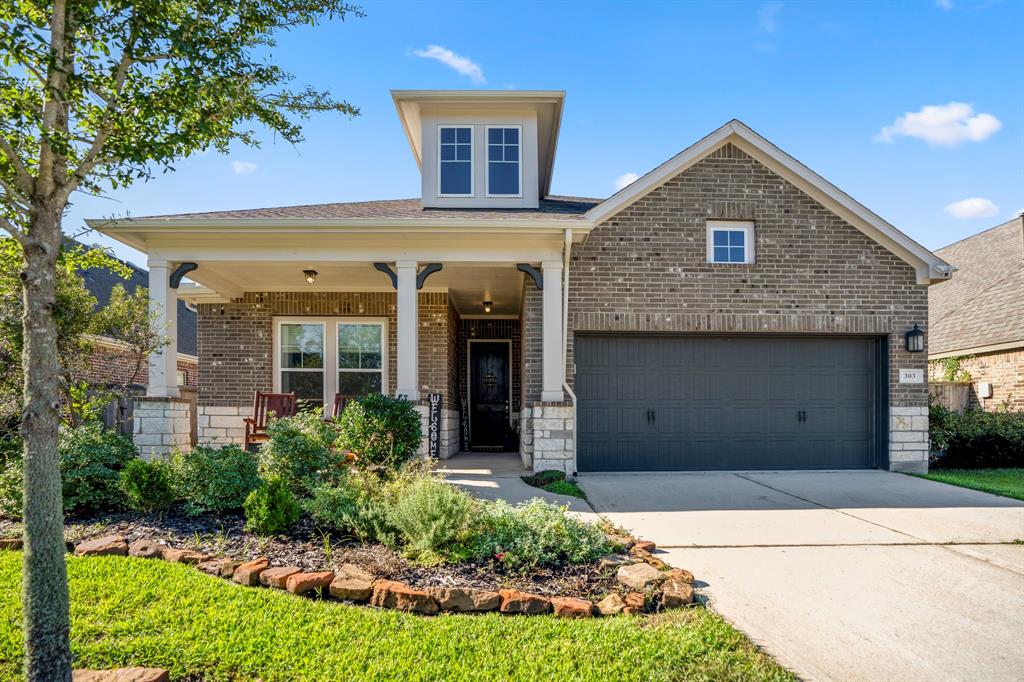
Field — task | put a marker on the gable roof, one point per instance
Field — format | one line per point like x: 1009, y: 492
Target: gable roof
x: 984, y: 304
x: 930, y: 268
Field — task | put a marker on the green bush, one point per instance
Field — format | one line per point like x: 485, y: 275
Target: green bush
x: 976, y: 439
x: 536, y: 533
x: 359, y: 504
x: 271, y: 509
x: 214, y: 479
x: 91, y: 460
x: 147, y: 486
x: 435, y: 520
x: 380, y: 430
x: 11, y: 476
x: 300, y: 452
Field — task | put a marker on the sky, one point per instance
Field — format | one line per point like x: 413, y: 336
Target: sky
x: 916, y: 109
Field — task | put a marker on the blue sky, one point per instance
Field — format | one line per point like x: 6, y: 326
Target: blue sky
x: 911, y: 107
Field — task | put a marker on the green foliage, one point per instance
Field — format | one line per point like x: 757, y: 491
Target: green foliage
x: 271, y: 509
x: 535, y: 534
x: 554, y: 482
x: 91, y: 460
x: 1007, y: 482
x: 381, y: 430
x: 214, y: 479
x: 358, y: 504
x: 952, y: 368
x: 300, y: 451
x: 435, y: 520
x: 147, y: 486
x: 11, y: 475
x: 976, y: 439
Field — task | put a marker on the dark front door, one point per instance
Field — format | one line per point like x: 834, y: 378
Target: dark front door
x: 489, y: 395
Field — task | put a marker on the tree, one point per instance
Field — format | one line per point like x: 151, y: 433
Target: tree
x: 97, y: 94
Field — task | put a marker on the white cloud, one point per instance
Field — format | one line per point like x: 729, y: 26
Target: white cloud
x: 625, y: 179
x: 463, y: 65
x: 975, y: 207
x: 944, y: 4
x: 243, y: 167
x: 768, y: 17
x: 942, y: 124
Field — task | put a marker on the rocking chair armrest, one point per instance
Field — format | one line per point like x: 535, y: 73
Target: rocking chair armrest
x: 249, y: 422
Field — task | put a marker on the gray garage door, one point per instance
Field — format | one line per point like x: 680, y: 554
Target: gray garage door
x: 649, y: 403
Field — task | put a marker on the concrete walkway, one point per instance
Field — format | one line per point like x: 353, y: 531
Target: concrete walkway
x: 843, y: 575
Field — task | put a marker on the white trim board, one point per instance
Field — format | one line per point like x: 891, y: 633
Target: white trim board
x: 978, y: 350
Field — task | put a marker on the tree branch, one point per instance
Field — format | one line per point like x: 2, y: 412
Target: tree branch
x: 17, y: 234
x: 21, y: 173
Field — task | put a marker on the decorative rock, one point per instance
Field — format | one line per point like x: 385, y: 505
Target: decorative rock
x: 640, y: 576
x: 611, y: 605
x: 352, y: 583
x: 676, y: 593
x: 569, y: 607
x: 651, y: 560
x: 614, y: 561
x: 249, y: 572
x: 184, y: 556
x: 11, y: 543
x: 642, y: 546
x: 391, y: 594
x: 146, y: 549
x: 277, y: 577
x: 227, y: 567
x: 680, y: 574
x: 301, y: 583
x: 514, y: 601
x: 121, y: 675
x: 465, y: 599
x: 210, y: 567
x: 110, y: 544
x: 634, y: 604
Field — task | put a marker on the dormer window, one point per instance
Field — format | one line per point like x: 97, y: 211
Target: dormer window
x: 504, y: 171
x: 730, y: 241
x: 456, y: 161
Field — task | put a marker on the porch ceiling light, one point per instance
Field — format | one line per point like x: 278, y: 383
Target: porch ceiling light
x: 488, y: 305
x: 310, y: 276
x: 914, y: 340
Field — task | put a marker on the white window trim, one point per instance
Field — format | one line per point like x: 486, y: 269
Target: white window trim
x: 487, y: 163
x: 472, y: 159
x: 330, y: 368
x: 745, y: 226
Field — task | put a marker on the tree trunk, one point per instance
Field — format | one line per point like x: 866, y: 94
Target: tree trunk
x: 44, y: 577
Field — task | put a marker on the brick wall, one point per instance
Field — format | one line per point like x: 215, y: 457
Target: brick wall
x: 112, y: 366
x: 532, y: 341
x: 1004, y: 370
x: 484, y: 329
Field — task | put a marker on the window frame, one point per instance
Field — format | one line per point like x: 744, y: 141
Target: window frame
x: 330, y: 325
x: 472, y: 158
x: 487, y: 160
x: 744, y: 226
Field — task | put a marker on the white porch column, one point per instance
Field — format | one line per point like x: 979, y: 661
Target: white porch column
x: 553, y: 369
x: 163, y: 305
x: 408, y: 331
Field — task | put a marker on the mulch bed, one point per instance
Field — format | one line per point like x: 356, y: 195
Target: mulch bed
x: 307, y: 547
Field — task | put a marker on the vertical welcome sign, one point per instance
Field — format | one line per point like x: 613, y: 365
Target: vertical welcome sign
x: 434, y: 425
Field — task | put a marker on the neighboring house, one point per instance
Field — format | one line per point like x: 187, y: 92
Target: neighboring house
x: 730, y: 309
x: 978, y: 317
x: 108, y: 363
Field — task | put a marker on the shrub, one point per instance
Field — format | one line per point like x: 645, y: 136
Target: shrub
x: 214, y: 479
x: 271, y: 509
x: 357, y: 503
x: 382, y: 431
x: 976, y: 439
x: 434, y: 520
x: 147, y: 486
x: 10, y: 489
x: 299, y: 451
x: 91, y: 460
x: 535, y: 534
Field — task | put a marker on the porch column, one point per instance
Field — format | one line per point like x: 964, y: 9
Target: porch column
x: 163, y: 306
x: 553, y: 369
x: 408, y: 331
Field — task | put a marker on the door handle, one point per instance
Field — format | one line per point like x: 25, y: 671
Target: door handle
x: 654, y: 416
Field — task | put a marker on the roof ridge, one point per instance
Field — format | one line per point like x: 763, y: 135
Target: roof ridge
x: 986, y: 230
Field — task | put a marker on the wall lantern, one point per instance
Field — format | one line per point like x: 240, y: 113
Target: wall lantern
x: 310, y: 276
x: 488, y: 305
x: 914, y: 340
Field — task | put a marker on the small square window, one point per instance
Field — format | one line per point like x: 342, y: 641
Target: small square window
x: 730, y: 242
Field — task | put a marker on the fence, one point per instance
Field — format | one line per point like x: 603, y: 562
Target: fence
x: 952, y: 396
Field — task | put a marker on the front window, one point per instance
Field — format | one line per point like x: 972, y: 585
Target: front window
x: 456, y: 161
x: 302, y: 361
x: 360, y: 358
x: 730, y: 242
x: 503, y: 176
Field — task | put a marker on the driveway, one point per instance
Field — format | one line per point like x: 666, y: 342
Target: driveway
x: 843, y: 575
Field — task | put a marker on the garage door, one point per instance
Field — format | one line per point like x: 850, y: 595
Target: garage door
x: 648, y: 403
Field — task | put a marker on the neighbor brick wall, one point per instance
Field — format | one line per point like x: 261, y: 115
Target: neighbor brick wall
x: 1004, y: 370
x: 110, y: 366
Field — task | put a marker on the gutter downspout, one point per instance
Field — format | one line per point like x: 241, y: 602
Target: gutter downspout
x: 565, y: 337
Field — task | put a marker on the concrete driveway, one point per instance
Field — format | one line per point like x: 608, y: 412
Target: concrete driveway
x: 843, y: 575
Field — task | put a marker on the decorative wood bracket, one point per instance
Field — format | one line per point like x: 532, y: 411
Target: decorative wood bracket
x: 538, y: 277
x: 386, y: 269
x: 427, y: 271
x: 180, y: 272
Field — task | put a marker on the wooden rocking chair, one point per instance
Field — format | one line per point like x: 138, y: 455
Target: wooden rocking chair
x: 263, y: 406
x: 340, y: 401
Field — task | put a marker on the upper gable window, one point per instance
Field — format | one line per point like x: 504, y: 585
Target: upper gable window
x: 504, y: 176
x: 456, y: 161
x: 730, y: 242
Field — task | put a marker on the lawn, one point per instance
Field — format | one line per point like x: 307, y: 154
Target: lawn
x: 1005, y: 482
x: 143, y: 612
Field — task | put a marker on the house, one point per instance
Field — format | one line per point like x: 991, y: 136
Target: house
x: 976, y: 320
x: 730, y: 309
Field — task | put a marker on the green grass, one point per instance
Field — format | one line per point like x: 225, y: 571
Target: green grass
x: 1005, y: 482
x: 128, y: 611
x: 554, y: 482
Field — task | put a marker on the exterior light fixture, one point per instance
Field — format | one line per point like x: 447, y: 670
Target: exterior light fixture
x: 914, y: 340
x: 310, y: 276
x: 488, y: 305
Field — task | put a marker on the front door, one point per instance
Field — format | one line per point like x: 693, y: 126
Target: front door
x: 489, y: 393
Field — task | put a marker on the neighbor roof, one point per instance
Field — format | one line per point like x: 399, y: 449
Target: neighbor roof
x: 984, y: 304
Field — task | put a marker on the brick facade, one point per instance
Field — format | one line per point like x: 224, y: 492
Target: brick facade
x: 108, y: 365
x: 1003, y: 369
